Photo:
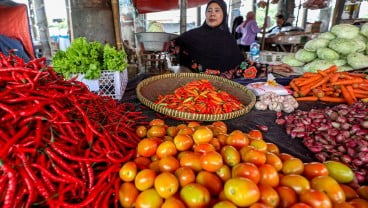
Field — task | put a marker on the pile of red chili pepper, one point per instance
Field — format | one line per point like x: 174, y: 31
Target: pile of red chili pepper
x: 200, y: 96
x: 61, y: 145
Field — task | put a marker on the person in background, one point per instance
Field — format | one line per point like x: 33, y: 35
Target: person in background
x: 237, y: 21
x: 209, y: 48
x: 249, y: 30
x: 280, y: 23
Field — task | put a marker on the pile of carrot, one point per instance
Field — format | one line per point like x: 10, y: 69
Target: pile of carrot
x: 329, y: 85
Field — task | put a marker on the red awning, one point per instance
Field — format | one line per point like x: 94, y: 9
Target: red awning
x: 147, y: 6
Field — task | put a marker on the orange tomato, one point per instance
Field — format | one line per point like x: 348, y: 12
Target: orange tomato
x: 330, y: 186
x: 315, y: 198
x: 203, y: 148
x: 287, y: 196
x: 260, y: 145
x: 216, y: 143
x: 224, y: 173
x: 253, y: 156
x: 192, y: 160
x: 127, y: 194
x: 141, y: 131
x: 147, y: 147
x: 155, y: 165
x: 142, y: 162
x: 181, y: 126
x: 273, y: 148
x: 349, y: 192
x: 246, y: 170
x: 300, y: 205
x: 166, y: 184
x: 185, y: 175
x: 224, y: 204
x: 274, y: 160
x: 230, y: 155
x: 297, y: 182
x: 195, y: 195
x: 186, y: 130
x: 314, y: 169
x: 169, y: 164
x: 222, y: 138
x: 359, y: 203
x: 260, y: 205
x: 363, y: 192
x: 173, y: 202
x: 202, y: 134
x: 241, y: 191
x: 148, y: 198
x: 128, y: 171
x: 156, y: 122
x: 343, y: 205
x: 211, y: 181
x: 269, y: 195
x: 268, y: 175
x: 237, y: 139
x: 193, y: 124
x: 285, y: 156
x: 183, y: 142
x: 255, y: 134
x: 211, y: 161
x: 293, y: 166
x: 145, y: 179
x: 156, y: 131
x: 166, y: 148
x: 222, y: 196
x: 172, y: 131
x: 219, y: 127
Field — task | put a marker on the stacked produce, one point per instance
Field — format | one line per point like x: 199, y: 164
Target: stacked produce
x: 338, y: 133
x: 61, y: 145
x: 88, y: 58
x: 345, y: 46
x: 194, y: 165
x: 200, y: 96
x: 315, y: 4
x: 278, y: 103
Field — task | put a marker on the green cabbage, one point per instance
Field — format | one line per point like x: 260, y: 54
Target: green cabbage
x: 314, y: 44
x: 291, y: 60
x: 357, y: 60
x: 343, y: 46
x: 364, y: 30
x: 360, y: 45
x: 317, y: 64
x: 344, y: 68
x: 362, y: 38
x: 327, y: 54
x: 339, y: 62
x: 327, y: 35
x: 345, y: 31
x: 305, y: 56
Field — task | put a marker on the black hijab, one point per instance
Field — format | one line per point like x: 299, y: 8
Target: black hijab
x: 213, y: 48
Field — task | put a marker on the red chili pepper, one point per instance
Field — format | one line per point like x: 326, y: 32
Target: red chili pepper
x: 21, y: 133
x: 12, y: 185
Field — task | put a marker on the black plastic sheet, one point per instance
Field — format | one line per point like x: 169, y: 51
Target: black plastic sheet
x: 276, y: 134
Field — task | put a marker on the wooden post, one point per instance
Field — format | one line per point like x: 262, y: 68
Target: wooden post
x: 117, y: 28
x: 41, y: 20
x: 199, y: 15
x: 339, y: 8
x: 183, y: 15
x: 264, y: 23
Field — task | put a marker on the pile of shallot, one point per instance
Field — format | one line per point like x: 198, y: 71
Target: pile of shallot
x: 336, y: 133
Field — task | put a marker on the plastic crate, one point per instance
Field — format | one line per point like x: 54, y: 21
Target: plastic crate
x: 110, y: 83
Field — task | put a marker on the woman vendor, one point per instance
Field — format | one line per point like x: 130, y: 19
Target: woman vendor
x: 209, y: 48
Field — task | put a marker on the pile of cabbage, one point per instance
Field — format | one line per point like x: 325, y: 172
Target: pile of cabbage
x: 345, y: 46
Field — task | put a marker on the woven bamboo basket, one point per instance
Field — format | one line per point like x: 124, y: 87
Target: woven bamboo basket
x: 149, y: 89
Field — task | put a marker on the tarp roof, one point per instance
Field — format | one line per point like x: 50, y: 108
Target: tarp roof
x: 147, y: 6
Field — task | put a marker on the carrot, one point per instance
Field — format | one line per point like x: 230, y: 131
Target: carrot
x: 361, y: 96
x: 351, y: 92
x: 309, y: 74
x: 346, y: 95
x: 332, y: 99
x: 304, y: 91
x: 307, y: 98
x: 323, y: 73
x: 310, y: 80
x: 334, y: 77
x: 348, y: 82
x: 293, y: 86
x: 364, y: 76
x: 330, y: 69
x: 364, y: 92
x: 321, y: 82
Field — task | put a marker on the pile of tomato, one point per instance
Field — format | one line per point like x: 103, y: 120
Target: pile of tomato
x: 197, y: 165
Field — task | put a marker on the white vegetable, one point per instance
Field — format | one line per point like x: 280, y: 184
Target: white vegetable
x: 260, y: 105
x: 278, y: 103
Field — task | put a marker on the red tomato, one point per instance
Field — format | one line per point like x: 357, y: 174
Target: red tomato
x: 330, y: 186
x: 169, y: 164
x: 183, y: 142
x: 211, y: 181
x: 185, y: 175
x: 172, y: 131
x: 211, y: 161
x: 363, y: 192
x: 255, y: 134
x: 219, y: 127
x: 237, y: 139
x: 203, y: 148
x: 268, y: 175
x: 297, y: 182
x: 293, y: 166
x: 314, y: 169
x: 315, y: 198
x: 202, y: 134
x: 224, y: 204
x: 148, y: 198
x: 301, y: 205
x: 141, y: 131
x: 147, y: 147
x: 191, y: 160
x: 269, y: 195
x: 142, y: 162
x: 287, y: 196
x: 253, y: 156
x: 246, y: 170
x: 349, y: 192
x: 145, y: 179
x: 166, y: 148
x: 127, y: 194
x: 260, y: 145
x: 359, y: 203
x: 128, y: 171
x: 173, y: 202
x: 274, y: 160
x: 273, y: 148
x: 156, y: 131
x: 166, y: 184
x: 231, y: 155
x: 224, y: 173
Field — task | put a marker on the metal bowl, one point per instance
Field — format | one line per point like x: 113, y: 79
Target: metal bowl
x: 154, y: 41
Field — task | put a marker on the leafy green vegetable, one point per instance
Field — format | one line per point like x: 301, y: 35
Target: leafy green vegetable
x: 327, y: 35
x: 291, y: 60
x: 345, y: 31
x: 357, y: 60
x: 305, y: 56
x: 314, y: 44
x: 327, y: 54
x: 317, y: 64
x: 88, y: 58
